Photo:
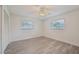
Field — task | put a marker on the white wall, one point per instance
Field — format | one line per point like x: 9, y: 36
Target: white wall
x: 0, y: 27
x: 70, y: 34
x: 19, y: 34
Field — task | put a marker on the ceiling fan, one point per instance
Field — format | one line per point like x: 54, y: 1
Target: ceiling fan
x: 44, y: 10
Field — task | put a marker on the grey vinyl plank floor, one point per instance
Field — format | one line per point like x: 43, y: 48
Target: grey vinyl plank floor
x: 41, y: 45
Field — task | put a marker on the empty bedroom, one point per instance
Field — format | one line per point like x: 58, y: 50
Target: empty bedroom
x: 40, y: 29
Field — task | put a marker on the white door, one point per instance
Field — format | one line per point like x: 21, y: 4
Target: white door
x: 0, y: 29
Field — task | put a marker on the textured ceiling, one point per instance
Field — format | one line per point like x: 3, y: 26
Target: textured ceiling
x: 33, y: 10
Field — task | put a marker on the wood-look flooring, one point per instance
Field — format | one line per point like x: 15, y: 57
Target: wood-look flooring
x: 41, y: 45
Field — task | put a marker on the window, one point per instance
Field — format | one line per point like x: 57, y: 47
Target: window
x: 57, y: 24
x: 27, y: 25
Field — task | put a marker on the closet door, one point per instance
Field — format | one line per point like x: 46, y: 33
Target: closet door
x: 0, y: 28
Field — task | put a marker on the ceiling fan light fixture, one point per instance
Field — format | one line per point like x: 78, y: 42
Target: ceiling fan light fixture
x: 43, y: 11
x: 42, y: 14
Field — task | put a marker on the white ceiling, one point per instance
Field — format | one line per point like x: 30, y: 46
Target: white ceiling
x: 33, y: 10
